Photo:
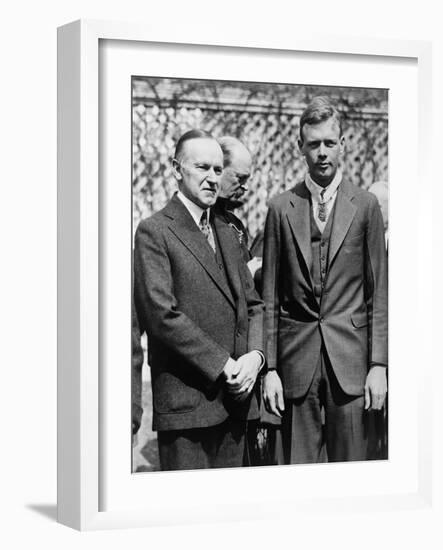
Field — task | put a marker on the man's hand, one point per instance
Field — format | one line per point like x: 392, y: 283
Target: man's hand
x: 254, y: 265
x: 240, y: 385
x: 231, y: 370
x: 273, y: 393
x: 375, y: 388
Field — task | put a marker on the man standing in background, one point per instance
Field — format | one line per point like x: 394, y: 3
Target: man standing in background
x: 237, y: 167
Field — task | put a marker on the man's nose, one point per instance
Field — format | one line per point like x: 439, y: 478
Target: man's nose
x: 322, y: 150
x: 212, y: 176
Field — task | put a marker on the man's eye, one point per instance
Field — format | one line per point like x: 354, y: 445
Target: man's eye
x: 218, y: 170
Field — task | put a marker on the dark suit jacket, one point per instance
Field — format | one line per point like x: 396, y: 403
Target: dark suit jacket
x: 239, y: 230
x: 351, y: 318
x: 194, y: 318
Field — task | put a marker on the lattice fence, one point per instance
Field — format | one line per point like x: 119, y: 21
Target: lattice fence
x: 265, y: 117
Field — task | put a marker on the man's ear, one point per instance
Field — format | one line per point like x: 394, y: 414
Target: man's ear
x: 300, y: 145
x: 176, y: 169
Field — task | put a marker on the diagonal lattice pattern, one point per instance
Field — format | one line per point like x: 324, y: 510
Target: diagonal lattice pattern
x: 265, y: 117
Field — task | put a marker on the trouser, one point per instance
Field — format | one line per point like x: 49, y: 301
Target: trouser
x: 325, y: 416
x: 219, y: 446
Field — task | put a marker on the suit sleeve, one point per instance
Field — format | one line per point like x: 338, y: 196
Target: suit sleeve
x: 137, y: 364
x: 376, y: 286
x: 270, y: 278
x: 157, y: 306
x: 255, y: 314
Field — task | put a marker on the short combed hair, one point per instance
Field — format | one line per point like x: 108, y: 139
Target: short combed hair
x: 228, y: 145
x: 319, y: 109
x: 187, y: 136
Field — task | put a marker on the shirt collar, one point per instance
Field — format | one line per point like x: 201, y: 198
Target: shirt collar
x: 195, y: 210
x: 316, y: 189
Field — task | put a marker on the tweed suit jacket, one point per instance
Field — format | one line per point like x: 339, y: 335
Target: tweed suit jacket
x: 195, y: 318
x: 351, y: 316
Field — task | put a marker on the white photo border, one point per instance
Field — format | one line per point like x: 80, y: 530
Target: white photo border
x: 81, y: 468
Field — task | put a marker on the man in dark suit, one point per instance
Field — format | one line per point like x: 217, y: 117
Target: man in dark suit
x: 195, y: 298
x: 237, y: 167
x: 325, y: 292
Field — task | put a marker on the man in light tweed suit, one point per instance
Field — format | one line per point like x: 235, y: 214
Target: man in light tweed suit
x: 325, y: 292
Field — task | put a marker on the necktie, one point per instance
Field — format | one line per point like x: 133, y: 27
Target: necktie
x: 322, y: 211
x: 206, y: 229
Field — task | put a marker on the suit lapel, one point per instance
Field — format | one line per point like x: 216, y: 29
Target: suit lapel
x: 299, y: 220
x: 344, y: 214
x: 186, y: 230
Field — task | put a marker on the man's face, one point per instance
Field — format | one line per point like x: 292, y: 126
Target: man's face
x: 199, y: 171
x: 235, y: 177
x: 322, y: 147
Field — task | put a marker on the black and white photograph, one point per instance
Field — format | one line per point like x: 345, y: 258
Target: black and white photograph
x: 201, y: 203
x: 260, y: 274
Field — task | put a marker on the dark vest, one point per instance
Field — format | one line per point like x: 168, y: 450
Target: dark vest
x: 320, y: 252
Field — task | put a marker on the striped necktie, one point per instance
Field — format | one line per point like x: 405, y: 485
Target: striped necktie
x: 206, y: 229
x: 322, y: 211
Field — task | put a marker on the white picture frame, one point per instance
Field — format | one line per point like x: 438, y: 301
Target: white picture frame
x: 80, y: 296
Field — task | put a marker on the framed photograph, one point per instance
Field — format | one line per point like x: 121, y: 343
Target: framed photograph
x: 126, y: 96
x: 257, y: 125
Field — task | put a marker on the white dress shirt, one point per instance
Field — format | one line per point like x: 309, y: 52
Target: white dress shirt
x: 195, y: 210
x: 329, y: 196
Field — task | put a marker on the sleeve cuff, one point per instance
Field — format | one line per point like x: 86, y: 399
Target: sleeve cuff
x: 262, y: 359
x: 375, y: 364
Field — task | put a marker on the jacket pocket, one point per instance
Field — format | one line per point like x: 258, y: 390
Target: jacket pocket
x: 286, y: 324
x: 359, y: 320
x: 354, y: 239
x: 171, y: 395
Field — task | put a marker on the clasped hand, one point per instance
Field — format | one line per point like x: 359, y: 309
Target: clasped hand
x: 240, y: 375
